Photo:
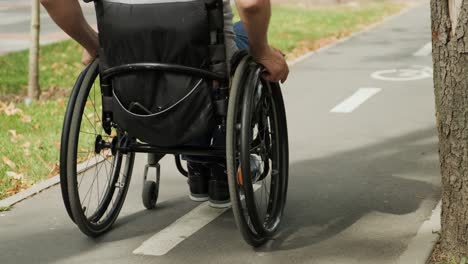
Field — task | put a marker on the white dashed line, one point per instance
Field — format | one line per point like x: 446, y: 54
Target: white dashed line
x: 168, y: 238
x: 424, y: 51
x: 355, y: 100
x: 161, y: 243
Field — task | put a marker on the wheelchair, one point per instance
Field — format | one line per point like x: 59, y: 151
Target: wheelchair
x: 101, y: 133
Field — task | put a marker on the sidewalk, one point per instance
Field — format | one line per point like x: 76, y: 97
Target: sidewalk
x: 15, y: 25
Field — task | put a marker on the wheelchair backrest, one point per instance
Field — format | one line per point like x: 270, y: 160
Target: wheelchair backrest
x: 187, y: 33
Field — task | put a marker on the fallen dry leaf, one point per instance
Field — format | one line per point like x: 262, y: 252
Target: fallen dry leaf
x: 61, y: 102
x: 55, y: 170
x: 27, y: 153
x: 11, y: 110
x: 26, y: 147
x: 8, y: 162
x: 12, y: 132
x: 18, y: 186
x: 14, y: 175
x: 26, y: 119
x: 14, y: 136
x: 2, y: 106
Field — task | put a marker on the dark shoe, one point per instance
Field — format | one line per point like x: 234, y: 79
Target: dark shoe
x: 198, y: 176
x: 218, y: 187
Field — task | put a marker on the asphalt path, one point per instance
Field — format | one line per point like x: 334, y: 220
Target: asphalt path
x: 364, y: 171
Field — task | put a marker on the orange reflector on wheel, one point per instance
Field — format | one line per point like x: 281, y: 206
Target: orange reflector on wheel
x: 240, y: 180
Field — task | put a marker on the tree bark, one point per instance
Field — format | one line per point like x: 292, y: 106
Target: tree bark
x: 33, y: 84
x: 450, y: 49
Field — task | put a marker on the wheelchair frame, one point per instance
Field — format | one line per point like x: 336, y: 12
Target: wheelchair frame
x: 260, y: 108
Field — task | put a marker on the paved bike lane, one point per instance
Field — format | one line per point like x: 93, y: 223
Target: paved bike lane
x: 364, y: 171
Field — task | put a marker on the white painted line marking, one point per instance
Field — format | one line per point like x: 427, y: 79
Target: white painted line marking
x: 355, y: 100
x: 168, y: 238
x: 184, y: 227
x: 424, y: 51
x: 413, y: 73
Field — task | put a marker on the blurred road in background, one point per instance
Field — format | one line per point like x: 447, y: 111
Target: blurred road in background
x: 15, y: 25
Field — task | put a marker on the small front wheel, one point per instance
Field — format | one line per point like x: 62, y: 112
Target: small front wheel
x: 150, y: 194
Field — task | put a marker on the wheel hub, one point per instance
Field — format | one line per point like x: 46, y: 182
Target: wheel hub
x: 101, y: 144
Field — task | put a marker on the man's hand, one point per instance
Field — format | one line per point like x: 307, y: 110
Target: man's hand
x: 275, y: 65
x: 255, y: 14
x: 87, y: 57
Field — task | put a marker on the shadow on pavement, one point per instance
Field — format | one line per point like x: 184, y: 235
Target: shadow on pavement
x: 67, y: 242
x: 326, y: 196
x: 329, y: 194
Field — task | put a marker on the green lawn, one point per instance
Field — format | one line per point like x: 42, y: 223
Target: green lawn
x: 30, y: 136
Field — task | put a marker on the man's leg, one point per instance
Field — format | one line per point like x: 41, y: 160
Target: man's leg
x: 242, y: 39
x: 198, y: 171
x: 209, y: 180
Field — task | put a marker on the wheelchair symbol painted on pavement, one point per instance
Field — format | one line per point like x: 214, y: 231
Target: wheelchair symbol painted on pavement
x: 406, y: 74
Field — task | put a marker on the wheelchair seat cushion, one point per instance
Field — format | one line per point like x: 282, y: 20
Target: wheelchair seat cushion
x: 161, y: 108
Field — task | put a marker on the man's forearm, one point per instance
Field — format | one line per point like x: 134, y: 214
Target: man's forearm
x: 69, y: 17
x: 255, y: 14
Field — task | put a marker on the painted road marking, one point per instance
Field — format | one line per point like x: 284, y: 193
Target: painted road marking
x: 168, y: 238
x: 424, y: 51
x: 161, y: 243
x: 355, y: 100
x: 413, y: 73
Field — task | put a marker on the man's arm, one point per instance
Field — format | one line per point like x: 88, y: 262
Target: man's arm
x: 255, y: 14
x: 69, y: 17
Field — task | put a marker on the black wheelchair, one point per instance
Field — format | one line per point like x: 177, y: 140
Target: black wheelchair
x: 112, y: 113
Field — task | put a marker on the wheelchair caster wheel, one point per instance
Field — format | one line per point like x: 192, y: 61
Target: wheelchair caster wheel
x: 150, y: 194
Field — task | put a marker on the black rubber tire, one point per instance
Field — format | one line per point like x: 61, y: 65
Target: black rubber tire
x: 239, y: 112
x: 107, y: 211
x: 150, y: 194
x: 65, y: 138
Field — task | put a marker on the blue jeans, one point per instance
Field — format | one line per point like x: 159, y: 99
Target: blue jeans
x: 242, y: 39
x: 242, y: 42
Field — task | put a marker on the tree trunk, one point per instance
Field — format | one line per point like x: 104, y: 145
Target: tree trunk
x: 33, y: 85
x: 450, y: 50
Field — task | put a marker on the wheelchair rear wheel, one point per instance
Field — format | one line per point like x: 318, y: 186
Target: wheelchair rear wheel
x: 257, y: 153
x: 95, y: 176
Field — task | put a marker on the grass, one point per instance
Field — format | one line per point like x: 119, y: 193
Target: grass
x: 452, y: 261
x: 30, y: 137
x: 297, y: 30
x: 31, y: 143
x: 5, y: 209
x: 59, y: 64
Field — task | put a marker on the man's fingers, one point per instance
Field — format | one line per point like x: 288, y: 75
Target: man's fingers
x: 284, y: 77
x: 286, y: 74
x: 268, y: 77
x: 275, y: 78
